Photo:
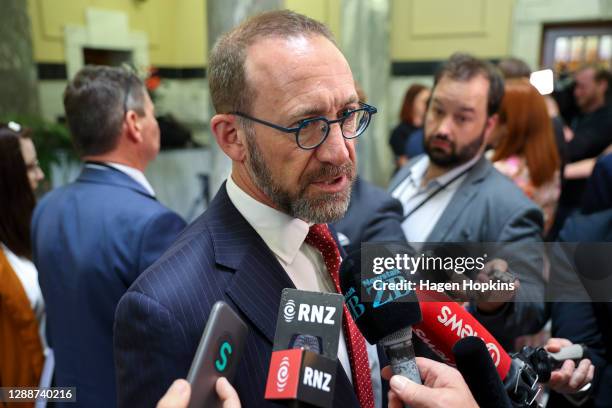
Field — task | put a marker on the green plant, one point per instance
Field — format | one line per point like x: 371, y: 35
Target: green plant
x: 52, y: 140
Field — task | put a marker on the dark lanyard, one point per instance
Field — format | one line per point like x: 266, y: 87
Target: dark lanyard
x: 433, y: 193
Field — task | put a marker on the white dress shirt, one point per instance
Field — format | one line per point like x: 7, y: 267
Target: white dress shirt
x: 411, y: 193
x: 133, y: 173
x: 303, y: 263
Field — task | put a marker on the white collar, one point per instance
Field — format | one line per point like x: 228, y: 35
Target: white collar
x: 418, y: 170
x: 283, y: 234
x: 135, y: 174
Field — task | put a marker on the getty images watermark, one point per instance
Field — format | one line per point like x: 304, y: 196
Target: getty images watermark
x: 506, y: 272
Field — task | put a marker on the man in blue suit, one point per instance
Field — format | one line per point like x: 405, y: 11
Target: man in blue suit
x: 93, y: 237
x: 287, y: 114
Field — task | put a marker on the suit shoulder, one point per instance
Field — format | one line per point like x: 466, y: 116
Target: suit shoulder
x: 189, y: 260
x: 506, y: 193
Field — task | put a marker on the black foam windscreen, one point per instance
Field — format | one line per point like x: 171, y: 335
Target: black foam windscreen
x: 592, y: 261
x: 476, y: 366
x: 377, y: 312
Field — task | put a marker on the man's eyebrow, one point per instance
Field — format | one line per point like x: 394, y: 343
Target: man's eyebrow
x: 462, y: 108
x: 467, y: 109
x: 321, y: 111
x: 309, y: 111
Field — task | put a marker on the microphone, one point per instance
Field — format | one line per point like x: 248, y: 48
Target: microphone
x: 304, y: 358
x: 445, y: 323
x: 476, y: 366
x: 388, y: 317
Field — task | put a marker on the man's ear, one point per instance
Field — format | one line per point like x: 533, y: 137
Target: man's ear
x: 134, y: 127
x: 490, y: 126
x: 603, y: 84
x: 225, y: 129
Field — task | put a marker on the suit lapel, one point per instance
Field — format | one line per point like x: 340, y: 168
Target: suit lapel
x: 258, y: 278
x: 257, y: 286
x: 462, y: 197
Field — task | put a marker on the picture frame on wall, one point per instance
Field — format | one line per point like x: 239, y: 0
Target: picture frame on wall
x: 567, y: 46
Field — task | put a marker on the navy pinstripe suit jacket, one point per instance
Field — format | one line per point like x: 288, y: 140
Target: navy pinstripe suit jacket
x: 159, y: 321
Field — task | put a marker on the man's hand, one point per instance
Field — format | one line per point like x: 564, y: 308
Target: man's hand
x: 179, y: 392
x: 227, y: 394
x: 496, y: 270
x: 443, y: 387
x: 177, y: 395
x: 569, y: 379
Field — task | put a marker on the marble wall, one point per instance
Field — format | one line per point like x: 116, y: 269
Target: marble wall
x: 17, y: 68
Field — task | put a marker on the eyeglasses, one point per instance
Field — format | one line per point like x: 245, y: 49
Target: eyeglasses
x: 311, y: 133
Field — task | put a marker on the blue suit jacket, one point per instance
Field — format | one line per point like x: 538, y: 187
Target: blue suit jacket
x: 372, y: 216
x: 588, y: 323
x: 598, y: 193
x: 92, y: 238
x: 161, y: 318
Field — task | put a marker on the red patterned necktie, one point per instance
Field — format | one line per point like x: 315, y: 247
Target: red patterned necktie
x: 320, y: 238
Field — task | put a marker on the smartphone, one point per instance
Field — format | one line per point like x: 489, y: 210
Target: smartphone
x: 218, y: 355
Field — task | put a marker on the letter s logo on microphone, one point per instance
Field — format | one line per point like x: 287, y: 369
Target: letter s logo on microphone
x: 224, y: 350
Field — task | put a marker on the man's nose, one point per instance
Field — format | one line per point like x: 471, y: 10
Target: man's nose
x: 334, y: 149
x: 445, y: 125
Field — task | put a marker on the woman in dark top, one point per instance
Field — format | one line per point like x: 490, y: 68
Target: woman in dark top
x: 411, y: 119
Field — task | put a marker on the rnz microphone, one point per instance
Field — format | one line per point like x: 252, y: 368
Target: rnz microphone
x: 476, y: 366
x: 304, y: 357
x: 383, y: 314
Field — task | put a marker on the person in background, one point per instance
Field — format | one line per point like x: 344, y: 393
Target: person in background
x: 266, y: 229
x: 92, y: 238
x: 454, y: 194
x: 525, y: 149
x: 590, y: 137
x: 22, y: 309
x: 411, y: 119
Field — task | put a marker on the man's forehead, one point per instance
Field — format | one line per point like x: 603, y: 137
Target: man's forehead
x: 463, y: 94
x: 586, y: 74
x: 273, y: 53
x: 301, y: 65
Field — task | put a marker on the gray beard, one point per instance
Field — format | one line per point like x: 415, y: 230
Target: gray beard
x: 325, y: 209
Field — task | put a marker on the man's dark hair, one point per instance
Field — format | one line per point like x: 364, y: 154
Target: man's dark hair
x: 602, y: 74
x: 464, y: 67
x: 96, y: 102
x: 17, y: 200
x: 513, y: 67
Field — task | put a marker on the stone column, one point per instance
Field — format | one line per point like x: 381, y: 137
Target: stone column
x: 19, y: 94
x: 223, y: 15
x: 365, y: 41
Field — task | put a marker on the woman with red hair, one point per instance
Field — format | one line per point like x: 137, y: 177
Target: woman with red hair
x: 525, y: 148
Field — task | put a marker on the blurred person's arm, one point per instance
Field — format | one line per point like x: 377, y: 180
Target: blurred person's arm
x: 579, y: 170
x: 583, y: 168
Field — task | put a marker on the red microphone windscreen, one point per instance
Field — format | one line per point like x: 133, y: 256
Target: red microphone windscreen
x: 445, y: 323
